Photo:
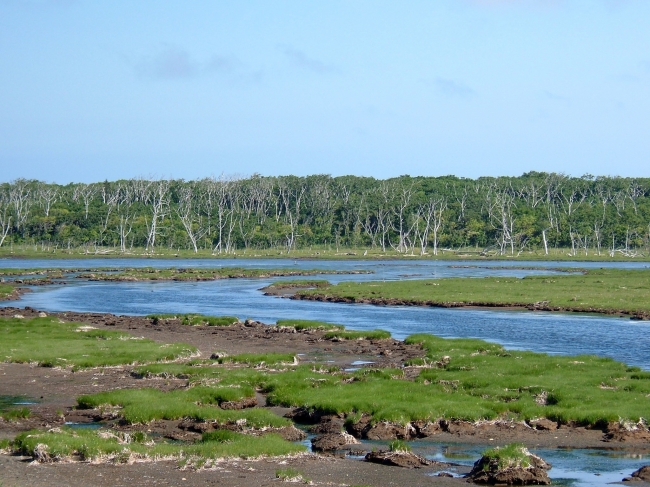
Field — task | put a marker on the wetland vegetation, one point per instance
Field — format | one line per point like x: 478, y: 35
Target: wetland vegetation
x: 609, y: 291
x: 51, y: 342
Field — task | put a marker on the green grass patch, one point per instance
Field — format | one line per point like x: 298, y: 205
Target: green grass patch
x: 513, y: 455
x: 299, y: 283
x: 94, y: 445
x: 357, y: 335
x: 200, y: 274
x: 15, y: 414
x: 6, y: 290
x: 473, y: 380
x: 194, y: 319
x: 200, y: 403
x: 399, y: 446
x: 258, y: 359
x: 598, y: 290
x: 310, y: 325
x: 51, y: 343
x: 290, y: 474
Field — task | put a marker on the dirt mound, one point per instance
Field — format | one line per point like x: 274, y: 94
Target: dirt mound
x: 398, y: 459
x: 488, y: 471
x: 332, y: 441
x: 627, y: 432
x: 643, y: 475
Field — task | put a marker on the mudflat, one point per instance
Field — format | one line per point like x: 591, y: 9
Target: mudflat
x: 55, y: 390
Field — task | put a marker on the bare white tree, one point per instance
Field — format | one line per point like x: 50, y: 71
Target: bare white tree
x: 431, y: 216
x: 157, y: 199
x: 190, y: 216
x: 399, y: 211
x: 5, y: 217
x: 47, y: 196
x: 291, y: 199
x: 85, y: 193
x: 20, y: 198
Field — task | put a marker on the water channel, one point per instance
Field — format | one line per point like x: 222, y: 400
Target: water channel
x: 553, y: 333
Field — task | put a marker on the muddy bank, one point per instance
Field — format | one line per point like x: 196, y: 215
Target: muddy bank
x: 534, y: 433
x: 539, y: 306
x: 331, y: 471
x: 248, y: 337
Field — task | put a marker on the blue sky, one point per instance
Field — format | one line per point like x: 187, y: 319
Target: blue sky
x: 186, y: 89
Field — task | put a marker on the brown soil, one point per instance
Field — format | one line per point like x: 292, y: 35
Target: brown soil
x: 56, y: 391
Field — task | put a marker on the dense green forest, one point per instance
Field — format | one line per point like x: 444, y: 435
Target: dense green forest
x: 411, y: 215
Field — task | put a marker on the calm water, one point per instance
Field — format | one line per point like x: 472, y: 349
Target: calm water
x: 555, y: 333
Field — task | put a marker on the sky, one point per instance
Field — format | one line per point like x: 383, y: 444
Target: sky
x: 93, y: 90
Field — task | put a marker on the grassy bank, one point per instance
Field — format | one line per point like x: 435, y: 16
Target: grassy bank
x: 50, y: 343
x: 461, y: 379
x: 324, y: 252
x: 6, y: 290
x: 193, y: 319
x: 602, y: 291
x: 105, y: 446
x: 201, y: 274
x: 199, y: 403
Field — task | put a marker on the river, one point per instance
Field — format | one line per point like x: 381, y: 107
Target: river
x: 554, y: 333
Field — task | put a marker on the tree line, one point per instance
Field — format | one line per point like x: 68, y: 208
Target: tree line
x: 502, y: 215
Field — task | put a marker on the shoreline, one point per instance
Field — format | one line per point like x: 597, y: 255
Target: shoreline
x: 633, y: 315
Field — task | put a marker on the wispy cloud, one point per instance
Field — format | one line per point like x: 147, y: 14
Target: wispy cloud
x: 172, y: 62
x: 560, y: 99
x: 300, y: 59
x: 453, y: 88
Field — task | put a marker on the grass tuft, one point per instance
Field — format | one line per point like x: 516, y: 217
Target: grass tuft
x: 514, y: 455
x: 399, y: 446
x: 258, y: 359
x: 199, y: 403
x: 290, y: 474
x: 357, y: 335
x: 15, y: 414
x: 194, y: 319
x: 310, y: 325
x: 95, y: 445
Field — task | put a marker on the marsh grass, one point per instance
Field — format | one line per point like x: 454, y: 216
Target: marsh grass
x: 463, y: 379
x: 597, y: 290
x: 197, y: 274
x: 259, y: 359
x: 299, y: 283
x: 194, y: 319
x: 199, y: 403
x: 399, y: 446
x: 14, y: 414
x: 310, y: 325
x: 315, y: 251
x: 6, y: 290
x: 50, y: 343
x: 94, y: 445
x: 474, y: 380
x: 290, y: 474
x: 513, y: 455
x: 357, y: 335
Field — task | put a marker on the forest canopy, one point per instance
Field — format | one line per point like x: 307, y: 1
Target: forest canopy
x: 503, y: 215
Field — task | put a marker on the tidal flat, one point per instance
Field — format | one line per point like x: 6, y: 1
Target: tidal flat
x: 203, y: 401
